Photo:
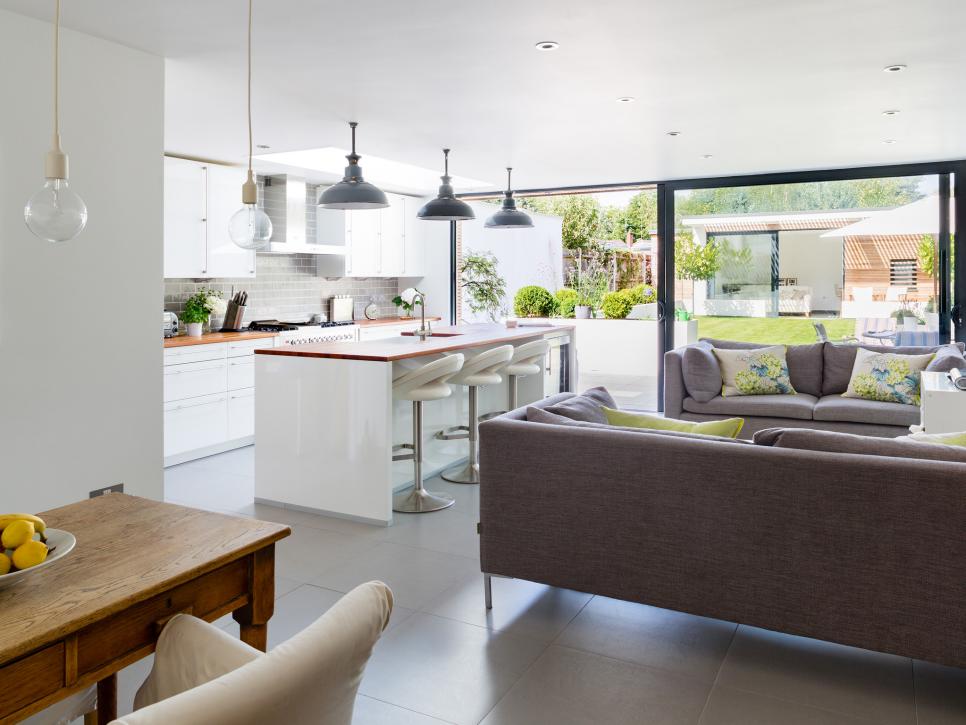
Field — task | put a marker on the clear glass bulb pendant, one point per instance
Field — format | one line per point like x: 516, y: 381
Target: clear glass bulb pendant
x: 250, y: 228
x: 56, y: 213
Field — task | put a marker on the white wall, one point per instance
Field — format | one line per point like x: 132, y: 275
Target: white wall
x: 816, y: 262
x: 525, y: 256
x: 80, y: 345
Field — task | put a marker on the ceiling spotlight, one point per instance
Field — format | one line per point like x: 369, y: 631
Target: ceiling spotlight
x: 547, y: 45
x: 895, y: 68
x: 626, y: 99
x: 890, y: 113
x: 673, y: 133
x: 707, y: 156
x: 888, y: 141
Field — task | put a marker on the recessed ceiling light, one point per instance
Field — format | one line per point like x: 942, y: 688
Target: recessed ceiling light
x: 548, y: 45
x: 895, y: 68
x: 888, y: 141
x: 707, y: 156
x: 262, y: 146
x: 892, y: 112
x: 673, y: 133
x: 626, y: 99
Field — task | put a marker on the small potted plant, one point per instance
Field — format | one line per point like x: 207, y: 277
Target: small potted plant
x: 406, y: 300
x: 197, y: 309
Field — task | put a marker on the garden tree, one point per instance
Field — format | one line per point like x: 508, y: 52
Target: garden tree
x: 927, y: 253
x: 638, y: 217
x: 814, y: 196
x: 696, y: 262
x: 581, y: 213
x: 485, y: 288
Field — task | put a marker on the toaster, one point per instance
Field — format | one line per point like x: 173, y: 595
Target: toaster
x: 169, y: 324
x: 340, y: 308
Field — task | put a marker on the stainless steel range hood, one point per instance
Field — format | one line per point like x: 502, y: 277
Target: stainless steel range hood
x: 285, y: 201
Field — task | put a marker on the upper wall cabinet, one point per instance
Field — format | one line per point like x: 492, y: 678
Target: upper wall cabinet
x: 199, y: 199
x: 375, y: 243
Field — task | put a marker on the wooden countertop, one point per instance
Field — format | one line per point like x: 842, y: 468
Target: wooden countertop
x: 213, y: 337
x: 444, y: 339
x: 393, y: 321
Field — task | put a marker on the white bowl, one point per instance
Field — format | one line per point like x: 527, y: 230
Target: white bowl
x: 59, y: 542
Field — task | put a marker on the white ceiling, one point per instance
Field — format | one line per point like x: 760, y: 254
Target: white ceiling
x: 763, y: 85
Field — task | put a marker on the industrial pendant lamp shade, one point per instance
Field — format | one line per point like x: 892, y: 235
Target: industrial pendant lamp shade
x: 353, y: 192
x: 250, y: 227
x: 509, y: 217
x: 56, y: 213
x: 446, y: 207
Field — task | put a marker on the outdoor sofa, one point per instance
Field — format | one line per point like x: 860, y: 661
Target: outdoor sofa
x: 820, y: 373
x: 864, y: 550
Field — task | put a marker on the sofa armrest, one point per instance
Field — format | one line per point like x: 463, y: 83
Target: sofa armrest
x: 674, y: 390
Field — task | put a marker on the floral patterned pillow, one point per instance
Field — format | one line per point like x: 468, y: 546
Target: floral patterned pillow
x: 762, y: 371
x: 887, y: 377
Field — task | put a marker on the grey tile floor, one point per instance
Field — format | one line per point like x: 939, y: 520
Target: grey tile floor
x: 545, y: 655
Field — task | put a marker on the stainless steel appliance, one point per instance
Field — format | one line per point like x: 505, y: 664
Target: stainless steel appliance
x: 170, y: 325
x: 304, y: 333
x: 340, y: 308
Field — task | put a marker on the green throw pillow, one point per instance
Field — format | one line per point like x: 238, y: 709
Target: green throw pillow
x: 761, y: 371
x: 729, y: 428
x: 943, y: 439
x: 887, y: 377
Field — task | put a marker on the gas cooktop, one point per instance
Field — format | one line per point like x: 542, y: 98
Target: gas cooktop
x: 276, y: 326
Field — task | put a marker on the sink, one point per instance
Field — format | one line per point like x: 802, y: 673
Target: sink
x: 435, y: 334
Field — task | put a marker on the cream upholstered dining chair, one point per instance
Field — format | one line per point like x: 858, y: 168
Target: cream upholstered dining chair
x: 204, y: 676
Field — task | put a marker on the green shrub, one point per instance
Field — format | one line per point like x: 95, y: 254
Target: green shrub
x: 617, y: 305
x: 642, y: 294
x: 566, y: 301
x: 534, y: 301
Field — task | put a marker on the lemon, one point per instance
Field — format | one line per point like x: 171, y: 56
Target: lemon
x: 17, y: 533
x: 29, y: 554
x: 5, y: 564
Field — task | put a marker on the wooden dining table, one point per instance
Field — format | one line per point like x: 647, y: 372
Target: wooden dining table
x: 101, y: 607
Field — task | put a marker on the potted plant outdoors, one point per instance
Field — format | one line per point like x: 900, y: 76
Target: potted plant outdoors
x: 485, y: 288
x: 407, y: 300
x: 591, y: 286
x: 197, y: 309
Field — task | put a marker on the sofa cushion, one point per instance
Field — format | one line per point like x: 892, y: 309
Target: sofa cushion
x: 857, y: 410
x: 727, y: 428
x: 947, y: 358
x: 805, y: 362
x: 957, y: 440
x: 585, y: 407
x: 798, y: 406
x: 761, y: 371
x: 887, y: 376
x: 701, y: 372
x: 840, y: 359
x: 820, y: 440
x: 540, y: 415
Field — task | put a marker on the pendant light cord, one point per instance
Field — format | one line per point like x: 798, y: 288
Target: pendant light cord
x: 250, y: 3
x: 509, y: 187
x: 57, y: 74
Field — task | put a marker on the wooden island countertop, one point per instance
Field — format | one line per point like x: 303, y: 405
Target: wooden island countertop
x: 444, y: 339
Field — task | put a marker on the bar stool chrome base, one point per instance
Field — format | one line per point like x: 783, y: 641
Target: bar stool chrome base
x: 470, y: 473
x: 420, y: 501
x: 453, y: 433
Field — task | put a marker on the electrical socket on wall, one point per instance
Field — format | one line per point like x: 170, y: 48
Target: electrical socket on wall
x: 116, y: 488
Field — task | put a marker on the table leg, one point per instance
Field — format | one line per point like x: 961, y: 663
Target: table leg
x: 253, y: 617
x: 107, y: 699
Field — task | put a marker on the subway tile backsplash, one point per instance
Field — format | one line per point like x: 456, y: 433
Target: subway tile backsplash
x: 286, y: 288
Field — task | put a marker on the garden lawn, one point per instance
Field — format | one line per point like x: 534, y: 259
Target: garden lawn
x: 779, y: 330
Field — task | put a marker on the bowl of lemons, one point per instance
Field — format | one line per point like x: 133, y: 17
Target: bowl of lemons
x: 26, y: 544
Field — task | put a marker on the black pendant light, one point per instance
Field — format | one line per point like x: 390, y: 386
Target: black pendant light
x: 446, y: 207
x: 509, y: 217
x: 353, y: 192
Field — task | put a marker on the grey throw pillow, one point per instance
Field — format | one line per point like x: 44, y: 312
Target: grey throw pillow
x: 830, y: 442
x: 585, y: 407
x: 701, y: 372
x: 947, y: 358
x: 805, y: 362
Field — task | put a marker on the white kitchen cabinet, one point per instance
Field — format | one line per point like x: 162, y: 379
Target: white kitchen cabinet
x: 241, y: 372
x: 191, y: 380
x: 196, y: 423
x: 392, y: 240
x: 414, y: 242
x: 199, y: 200
x: 241, y: 414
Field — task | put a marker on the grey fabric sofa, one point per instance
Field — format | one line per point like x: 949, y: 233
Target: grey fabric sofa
x: 858, y: 549
x: 820, y: 373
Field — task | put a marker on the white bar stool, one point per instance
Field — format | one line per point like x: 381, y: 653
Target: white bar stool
x: 483, y: 369
x: 427, y: 382
x: 528, y: 359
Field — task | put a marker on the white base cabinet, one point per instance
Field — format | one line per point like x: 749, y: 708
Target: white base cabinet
x: 209, y: 398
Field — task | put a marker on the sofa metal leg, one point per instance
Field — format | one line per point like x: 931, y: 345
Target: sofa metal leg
x: 488, y: 590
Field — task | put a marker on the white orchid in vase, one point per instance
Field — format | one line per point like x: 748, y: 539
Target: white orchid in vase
x: 407, y: 300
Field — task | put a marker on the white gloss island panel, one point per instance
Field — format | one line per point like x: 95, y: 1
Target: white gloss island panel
x: 324, y: 431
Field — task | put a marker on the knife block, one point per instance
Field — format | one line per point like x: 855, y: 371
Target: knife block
x: 233, y: 317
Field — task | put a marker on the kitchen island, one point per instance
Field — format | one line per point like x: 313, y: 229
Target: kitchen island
x: 326, y: 421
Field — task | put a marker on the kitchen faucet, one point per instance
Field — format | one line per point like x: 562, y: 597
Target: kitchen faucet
x: 424, y: 330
